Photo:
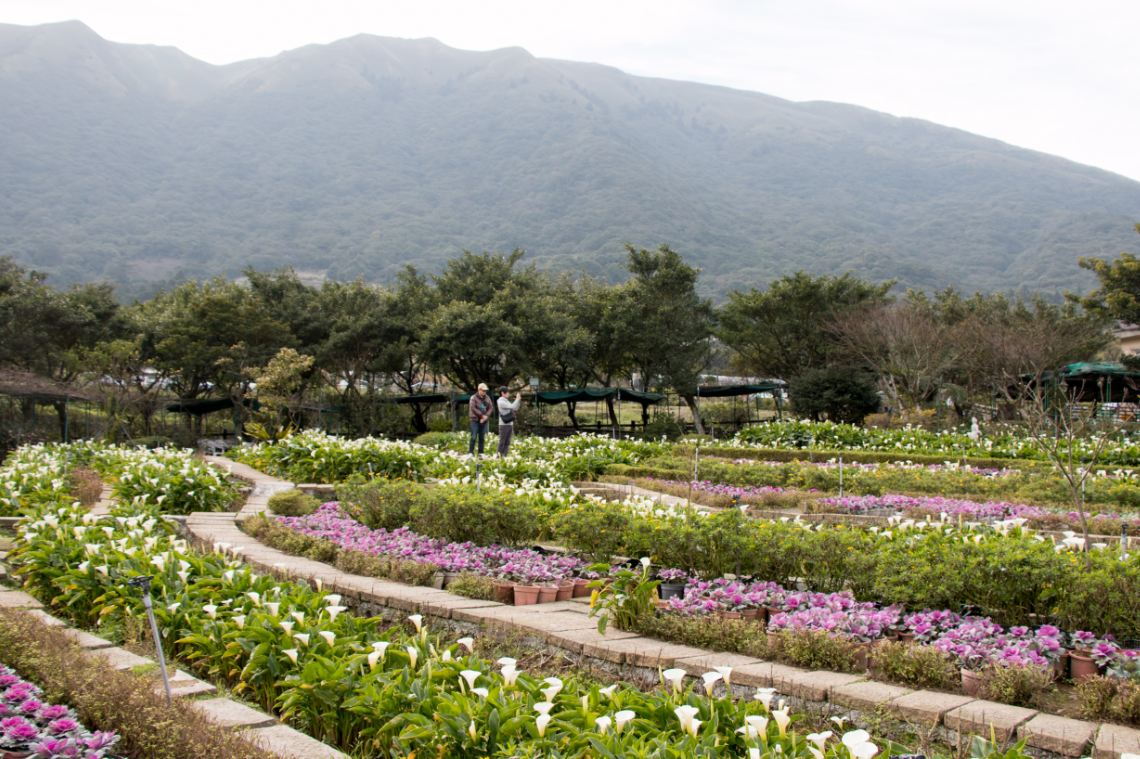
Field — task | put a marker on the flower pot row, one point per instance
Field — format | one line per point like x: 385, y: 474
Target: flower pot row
x: 524, y: 594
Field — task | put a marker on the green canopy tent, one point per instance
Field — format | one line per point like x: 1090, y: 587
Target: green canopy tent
x: 1092, y: 382
x: 774, y: 386
x: 572, y: 397
x: 420, y: 404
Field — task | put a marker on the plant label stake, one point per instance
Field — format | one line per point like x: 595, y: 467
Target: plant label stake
x: 142, y: 582
x: 478, y: 470
x: 840, y: 476
x: 1123, y: 542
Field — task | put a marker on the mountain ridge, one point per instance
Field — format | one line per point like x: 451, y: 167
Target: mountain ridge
x: 138, y: 164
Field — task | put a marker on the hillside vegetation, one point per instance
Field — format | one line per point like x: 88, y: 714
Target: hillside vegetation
x: 140, y: 165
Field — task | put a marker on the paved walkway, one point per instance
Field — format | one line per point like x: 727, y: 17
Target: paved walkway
x: 565, y: 625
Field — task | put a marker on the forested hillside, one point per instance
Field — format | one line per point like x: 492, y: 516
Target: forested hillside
x: 142, y: 165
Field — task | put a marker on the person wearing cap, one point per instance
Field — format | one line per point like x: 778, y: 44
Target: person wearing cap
x: 507, y: 412
x: 479, y: 411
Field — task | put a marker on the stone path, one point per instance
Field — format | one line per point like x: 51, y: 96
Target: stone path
x: 566, y: 626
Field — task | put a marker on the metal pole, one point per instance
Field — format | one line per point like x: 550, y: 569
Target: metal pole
x: 143, y: 583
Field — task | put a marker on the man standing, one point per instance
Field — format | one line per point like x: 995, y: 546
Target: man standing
x: 478, y: 411
x: 507, y: 412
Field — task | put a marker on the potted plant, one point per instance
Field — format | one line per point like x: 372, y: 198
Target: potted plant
x: 672, y: 583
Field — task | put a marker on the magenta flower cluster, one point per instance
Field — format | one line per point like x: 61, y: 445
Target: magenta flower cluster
x: 954, y: 507
x: 524, y: 565
x: 862, y: 622
x: 47, y: 731
x: 978, y: 641
x: 722, y: 594
x: 743, y: 492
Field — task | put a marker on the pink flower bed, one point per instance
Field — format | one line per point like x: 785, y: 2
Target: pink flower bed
x: 46, y: 731
x: 332, y: 524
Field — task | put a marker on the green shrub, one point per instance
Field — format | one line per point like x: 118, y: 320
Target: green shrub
x: 841, y: 393
x: 462, y: 514
x: 1110, y: 698
x: 597, y: 530
x: 1102, y: 595
x: 471, y: 585
x: 663, y: 426
x: 363, y: 564
x: 914, y: 665
x: 380, y: 504
x: 818, y: 650
x: 437, y: 439
x: 1020, y: 686
x: 714, y: 633
x: 293, y: 503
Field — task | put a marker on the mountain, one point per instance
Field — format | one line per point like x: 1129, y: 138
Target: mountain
x: 140, y: 165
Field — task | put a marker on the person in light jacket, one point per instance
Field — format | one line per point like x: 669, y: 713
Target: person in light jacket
x: 479, y: 411
x: 507, y: 413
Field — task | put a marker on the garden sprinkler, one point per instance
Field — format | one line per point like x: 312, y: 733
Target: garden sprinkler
x: 142, y: 582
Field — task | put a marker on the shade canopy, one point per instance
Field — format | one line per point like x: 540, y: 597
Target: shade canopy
x: 727, y: 391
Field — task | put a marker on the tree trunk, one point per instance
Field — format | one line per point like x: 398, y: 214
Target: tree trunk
x: 612, y: 412
x: 571, y: 409
x: 418, y: 421
x: 691, y: 402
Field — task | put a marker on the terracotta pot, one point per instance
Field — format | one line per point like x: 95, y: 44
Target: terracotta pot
x: 971, y: 682
x: 729, y: 614
x: 906, y: 637
x: 671, y: 590
x: 580, y: 588
x: 503, y: 591
x: 751, y: 615
x: 565, y: 590
x: 1082, y: 666
x: 5, y: 754
x: 526, y: 595
x: 547, y: 593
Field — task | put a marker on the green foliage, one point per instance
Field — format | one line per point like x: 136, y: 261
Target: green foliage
x: 1110, y: 698
x: 471, y: 585
x: 740, y: 636
x: 818, y: 650
x: 483, y: 517
x: 625, y: 597
x: 915, y: 666
x: 1100, y: 593
x: 1020, y: 686
x: 293, y: 503
x: 380, y: 504
x: 596, y: 530
x: 839, y: 393
x: 787, y: 330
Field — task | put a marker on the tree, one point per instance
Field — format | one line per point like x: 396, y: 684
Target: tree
x: 208, y: 337
x: 904, y: 343
x: 670, y: 325
x: 839, y: 393
x: 788, y: 329
x: 1119, y: 291
x: 479, y: 332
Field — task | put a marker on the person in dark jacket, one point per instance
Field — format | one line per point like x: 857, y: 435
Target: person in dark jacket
x: 479, y: 411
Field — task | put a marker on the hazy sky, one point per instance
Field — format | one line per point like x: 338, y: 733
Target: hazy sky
x: 1053, y: 75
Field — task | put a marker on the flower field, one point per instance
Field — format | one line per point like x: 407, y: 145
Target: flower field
x: 384, y: 692
x: 965, y: 578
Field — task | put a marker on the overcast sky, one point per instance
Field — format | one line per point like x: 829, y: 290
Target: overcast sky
x: 1053, y: 75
